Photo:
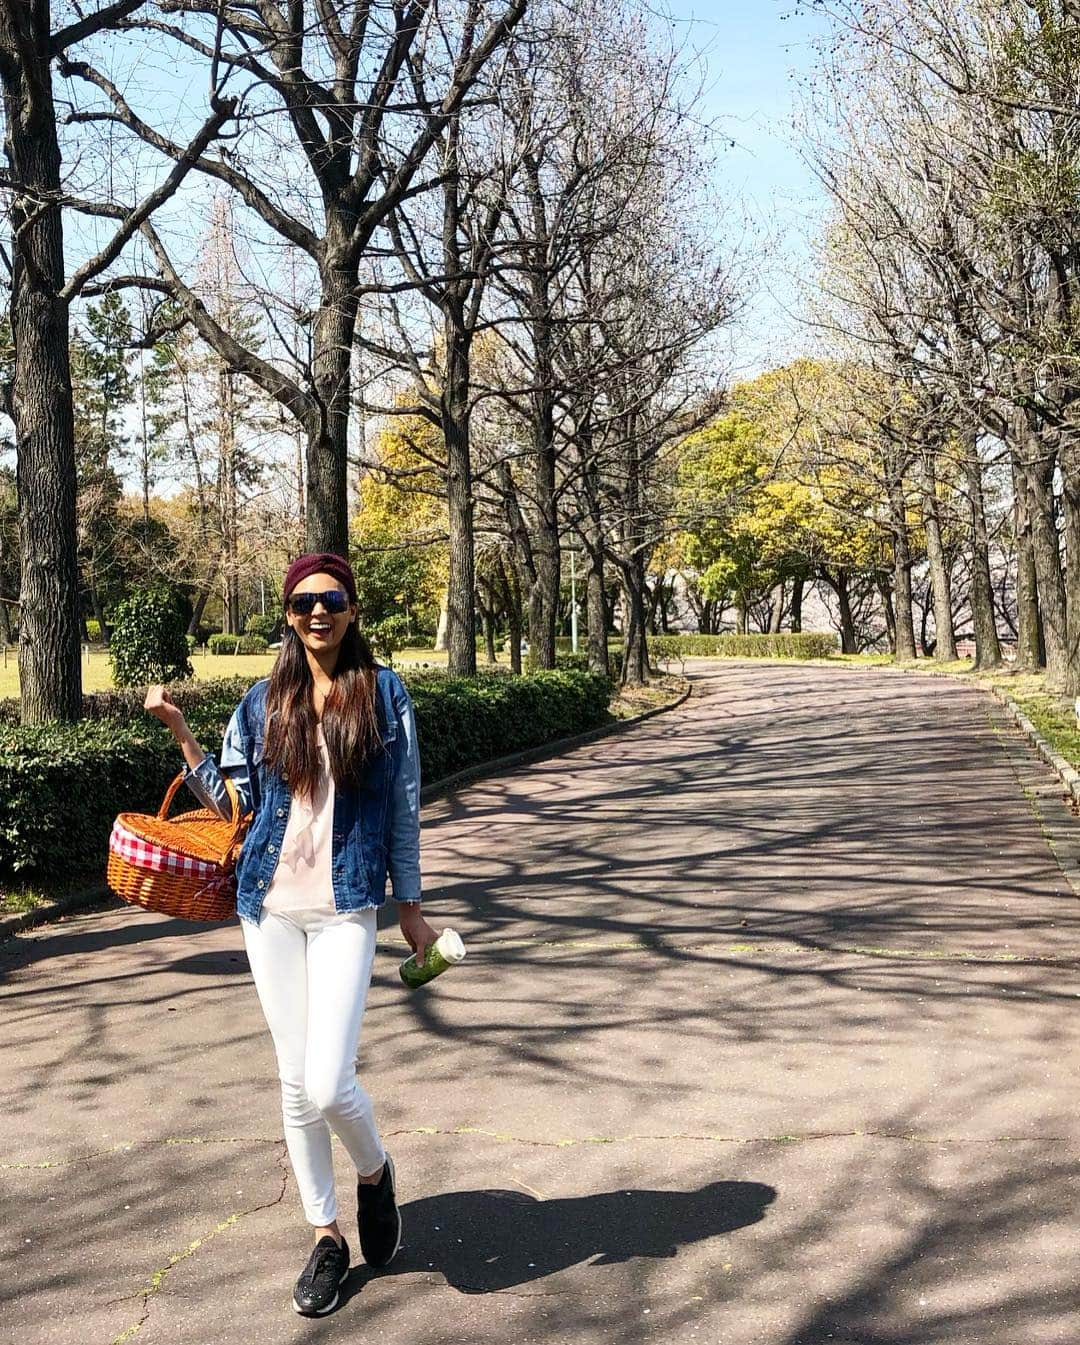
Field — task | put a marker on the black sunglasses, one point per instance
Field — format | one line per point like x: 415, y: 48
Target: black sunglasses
x: 333, y: 600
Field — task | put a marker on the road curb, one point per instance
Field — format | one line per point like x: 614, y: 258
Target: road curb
x: 99, y: 895
x: 53, y: 910
x: 1066, y: 773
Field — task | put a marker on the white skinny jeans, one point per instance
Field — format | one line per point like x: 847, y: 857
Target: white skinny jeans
x: 312, y: 970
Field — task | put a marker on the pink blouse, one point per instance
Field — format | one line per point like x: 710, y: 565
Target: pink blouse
x: 303, y: 878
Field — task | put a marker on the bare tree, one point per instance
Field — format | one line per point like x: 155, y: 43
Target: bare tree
x: 331, y: 138
x: 38, y: 397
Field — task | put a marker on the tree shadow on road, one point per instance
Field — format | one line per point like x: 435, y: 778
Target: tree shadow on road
x: 486, y: 1241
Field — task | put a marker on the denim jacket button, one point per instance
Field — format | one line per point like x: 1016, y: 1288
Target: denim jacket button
x: 281, y: 812
x: 270, y: 849
x: 261, y: 883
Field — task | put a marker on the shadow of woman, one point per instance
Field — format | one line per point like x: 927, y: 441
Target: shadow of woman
x: 484, y: 1241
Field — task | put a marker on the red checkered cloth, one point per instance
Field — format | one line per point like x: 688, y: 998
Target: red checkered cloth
x: 146, y: 854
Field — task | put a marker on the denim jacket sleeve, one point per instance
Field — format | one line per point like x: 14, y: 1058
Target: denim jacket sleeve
x: 206, y: 781
x: 403, y: 858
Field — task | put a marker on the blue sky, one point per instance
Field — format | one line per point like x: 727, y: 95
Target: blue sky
x: 756, y: 51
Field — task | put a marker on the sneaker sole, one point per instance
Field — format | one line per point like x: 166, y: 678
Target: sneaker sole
x: 381, y: 1265
x: 321, y: 1312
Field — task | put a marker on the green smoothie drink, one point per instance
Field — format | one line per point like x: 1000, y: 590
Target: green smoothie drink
x: 446, y: 951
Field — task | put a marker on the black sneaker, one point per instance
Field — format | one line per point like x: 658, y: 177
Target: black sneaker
x: 379, y: 1218
x: 316, y: 1290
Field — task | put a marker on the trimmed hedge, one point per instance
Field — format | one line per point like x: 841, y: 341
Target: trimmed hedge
x: 464, y: 721
x: 61, y: 785
x: 268, y: 626
x: 237, y: 644
x: 148, y: 642
x: 580, y: 661
x: 201, y: 702
x: 805, y: 644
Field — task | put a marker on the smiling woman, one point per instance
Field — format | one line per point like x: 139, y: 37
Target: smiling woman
x: 323, y: 754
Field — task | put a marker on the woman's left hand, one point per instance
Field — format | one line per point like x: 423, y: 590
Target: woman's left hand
x: 418, y: 933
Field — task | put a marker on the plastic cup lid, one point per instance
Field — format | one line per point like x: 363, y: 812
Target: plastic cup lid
x: 450, y: 945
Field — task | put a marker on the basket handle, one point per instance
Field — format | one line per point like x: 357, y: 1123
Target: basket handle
x: 237, y: 818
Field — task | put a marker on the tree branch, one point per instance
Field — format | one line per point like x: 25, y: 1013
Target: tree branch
x: 108, y: 254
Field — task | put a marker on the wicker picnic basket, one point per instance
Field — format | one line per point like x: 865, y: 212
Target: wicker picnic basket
x: 184, y: 866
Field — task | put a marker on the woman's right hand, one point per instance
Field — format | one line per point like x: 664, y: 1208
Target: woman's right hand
x: 162, y: 706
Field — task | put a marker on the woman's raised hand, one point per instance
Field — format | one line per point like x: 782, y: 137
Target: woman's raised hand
x: 162, y: 706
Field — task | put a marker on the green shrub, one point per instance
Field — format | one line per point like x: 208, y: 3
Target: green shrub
x: 219, y: 643
x: 269, y: 626
x: 804, y: 644
x: 580, y: 660
x: 237, y: 644
x: 148, y: 643
x: 464, y: 721
x: 191, y: 645
x: 387, y: 636
x: 61, y: 786
x: 216, y: 698
x: 93, y: 630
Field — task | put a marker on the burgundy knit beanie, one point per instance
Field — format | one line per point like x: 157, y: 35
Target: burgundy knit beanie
x: 320, y: 562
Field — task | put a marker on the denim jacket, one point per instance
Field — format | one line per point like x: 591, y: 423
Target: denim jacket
x: 376, y: 828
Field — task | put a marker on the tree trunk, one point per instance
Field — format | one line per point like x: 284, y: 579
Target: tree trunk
x: 5, y: 622
x: 489, y: 636
x: 460, y: 628
x: 1029, y: 653
x: 635, y: 669
x: 544, y: 592
x: 885, y: 593
x: 327, y: 428
x: 440, y: 629
x: 197, y: 609
x: 796, y: 603
x: 99, y: 615
x: 595, y: 605
x: 904, y: 621
x: 847, y: 621
x: 984, y: 621
x: 903, y: 616
x: 523, y: 551
x: 776, y: 615
x: 592, y: 535
x: 1069, y: 460
x: 50, y: 678
x: 544, y: 587
x: 513, y: 614
x: 940, y: 579
x: 1038, y: 468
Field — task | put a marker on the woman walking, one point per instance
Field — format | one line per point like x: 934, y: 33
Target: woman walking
x: 323, y: 754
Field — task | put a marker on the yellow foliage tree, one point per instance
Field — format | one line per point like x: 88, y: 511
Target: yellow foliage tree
x: 398, y: 533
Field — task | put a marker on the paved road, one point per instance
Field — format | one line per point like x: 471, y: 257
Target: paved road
x: 768, y: 1033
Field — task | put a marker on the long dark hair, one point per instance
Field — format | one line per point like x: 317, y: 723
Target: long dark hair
x: 350, y: 723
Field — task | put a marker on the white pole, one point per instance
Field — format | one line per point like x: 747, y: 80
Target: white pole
x: 573, y: 602
x: 262, y: 594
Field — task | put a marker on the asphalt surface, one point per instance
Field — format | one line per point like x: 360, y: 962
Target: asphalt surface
x: 768, y: 1033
